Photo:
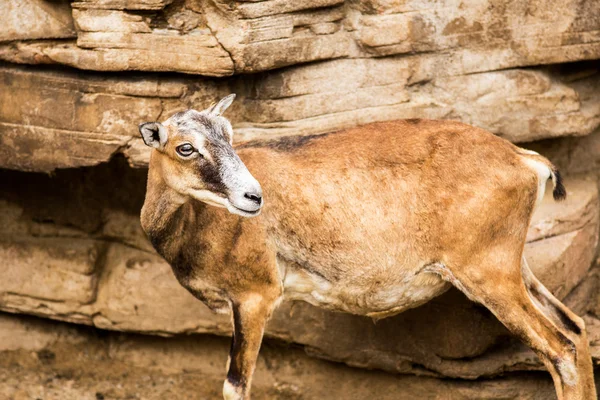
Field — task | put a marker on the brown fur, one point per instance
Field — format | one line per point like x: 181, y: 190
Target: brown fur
x: 439, y: 198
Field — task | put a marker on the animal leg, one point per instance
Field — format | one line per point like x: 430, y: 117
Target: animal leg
x: 250, y: 315
x: 497, y: 284
x: 568, y: 322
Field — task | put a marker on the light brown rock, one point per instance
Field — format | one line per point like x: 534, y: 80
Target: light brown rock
x: 56, y: 120
x: 79, y: 120
x: 127, y: 41
x: 221, y: 38
x: 520, y: 105
x: 49, y: 269
x: 31, y: 148
x: 36, y: 19
x: 508, y: 33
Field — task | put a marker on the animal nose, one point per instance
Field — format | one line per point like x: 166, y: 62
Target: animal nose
x: 255, y: 197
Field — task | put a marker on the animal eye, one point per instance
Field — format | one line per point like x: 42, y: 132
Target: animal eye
x: 185, y: 150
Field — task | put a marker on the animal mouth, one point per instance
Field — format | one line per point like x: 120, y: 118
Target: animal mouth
x: 249, y: 212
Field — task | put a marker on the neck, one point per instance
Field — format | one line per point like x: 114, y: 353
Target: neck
x: 163, y: 212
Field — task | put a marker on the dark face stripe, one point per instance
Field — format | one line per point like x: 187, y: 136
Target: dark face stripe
x: 224, y: 164
x: 211, y: 176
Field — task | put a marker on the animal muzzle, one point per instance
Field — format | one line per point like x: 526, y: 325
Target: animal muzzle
x: 247, y: 199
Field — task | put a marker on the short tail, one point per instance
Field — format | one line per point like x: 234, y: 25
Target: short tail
x: 559, y: 193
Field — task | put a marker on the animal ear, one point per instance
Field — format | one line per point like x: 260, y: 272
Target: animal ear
x: 222, y: 105
x: 154, y: 134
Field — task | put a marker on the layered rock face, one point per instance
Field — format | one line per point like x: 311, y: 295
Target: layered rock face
x: 79, y: 77
x: 220, y: 38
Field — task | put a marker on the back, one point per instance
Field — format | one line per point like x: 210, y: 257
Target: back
x: 378, y: 189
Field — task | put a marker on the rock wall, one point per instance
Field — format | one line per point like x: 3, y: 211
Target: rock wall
x: 79, y: 77
x: 221, y: 38
x: 62, y: 119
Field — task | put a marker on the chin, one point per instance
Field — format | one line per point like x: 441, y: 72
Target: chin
x: 241, y: 212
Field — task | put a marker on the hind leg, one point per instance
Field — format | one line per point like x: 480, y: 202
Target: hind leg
x: 557, y: 336
x: 567, y: 321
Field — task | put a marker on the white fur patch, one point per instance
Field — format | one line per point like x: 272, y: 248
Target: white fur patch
x: 543, y: 173
x: 213, y: 199
x: 375, y: 301
x: 568, y: 372
x: 300, y: 285
x: 533, y: 153
x: 231, y: 392
x: 208, y: 197
x: 252, y: 301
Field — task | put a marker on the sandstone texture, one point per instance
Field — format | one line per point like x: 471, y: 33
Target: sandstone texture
x: 52, y: 119
x: 35, y: 19
x: 77, y: 363
x: 220, y: 38
x: 76, y: 79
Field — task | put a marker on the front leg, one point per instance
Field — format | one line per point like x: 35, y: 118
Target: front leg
x: 250, y: 315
